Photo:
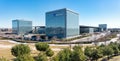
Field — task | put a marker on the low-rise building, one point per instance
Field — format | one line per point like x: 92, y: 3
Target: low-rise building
x: 38, y: 30
x: 89, y: 29
x: 114, y: 29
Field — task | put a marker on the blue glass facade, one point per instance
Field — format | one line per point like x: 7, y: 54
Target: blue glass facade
x: 103, y: 27
x: 72, y: 23
x: 88, y: 29
x: 62, y: 23
x: 21, y: 26
x: 39, y: 30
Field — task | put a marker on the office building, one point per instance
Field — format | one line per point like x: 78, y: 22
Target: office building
x: 114, y: 29
x: 103, y: 27
x: 38, y: 30
x: 88, y: 29
x: 62, y: 23
x: 21, y: 26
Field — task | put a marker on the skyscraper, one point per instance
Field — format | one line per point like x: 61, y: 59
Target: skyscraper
x: 62, y: 23
x: 21, y: 26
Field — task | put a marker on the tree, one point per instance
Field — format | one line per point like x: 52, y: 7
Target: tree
x: 93, y: 53
x: 41, y: 57
x: 119, y: 47
x: 108, y: 51
x: 96, y: 53
x: 20, y: 49
x: 115, y: 48
x: 25, y: 57
x: 77, y: 54
x: 63, y: 55
x: 55, y: 58
x: 49, y: 52
x: 88, y: 52
x: 41, y: 46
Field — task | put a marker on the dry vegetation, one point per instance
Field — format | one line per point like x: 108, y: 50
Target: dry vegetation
x: 5, y: 49
x: 6, y: 53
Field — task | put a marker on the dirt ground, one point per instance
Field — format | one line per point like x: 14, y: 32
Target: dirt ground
x: 117, y: 58
x: 6, y: 45
x: 5, y: 49
x: 6, y: 53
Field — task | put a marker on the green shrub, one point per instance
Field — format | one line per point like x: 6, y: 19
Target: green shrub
x: 24, y: 58
x: 96, y: 54
x: 41, y: 57
x: 115, y: 47
x: 55, y: 58
x: 107, y: 51
x: 77, y: 48
x: 49, y: 52
x: 68, y: 55
x: 88, y: 52
x: 64, y: 55
x: 41, y: 46
x: 20, y: 49
x: 77, y: 54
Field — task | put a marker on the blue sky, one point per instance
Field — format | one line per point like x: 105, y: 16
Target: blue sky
x: 92, y: 12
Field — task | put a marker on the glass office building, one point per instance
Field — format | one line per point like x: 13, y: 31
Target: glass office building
x: 21, y: 26
x: 103, y: 27
x: 62, y: 23
x: 39, y: 30
x: 88, y: 29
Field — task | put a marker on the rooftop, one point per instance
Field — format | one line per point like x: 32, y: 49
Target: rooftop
x: 63, y: 9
